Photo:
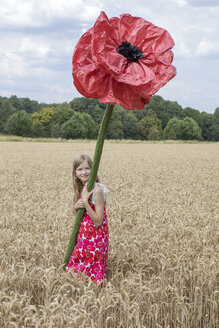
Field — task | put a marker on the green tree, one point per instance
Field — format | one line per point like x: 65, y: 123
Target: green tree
x: 56, y: 131
x: 193, y: 113
x: 75, y: 127
x: 173, y: 109
x: 30, y: 106
x: 42, y: 121
x: 6, y: 110
x: 173, y: 129
x: 97, y: 114
x: 62, y: 114
x: 147, y: 123
x: 139, y: 114
x: 91, y: 126
x: 190, y: 130
x: 207, y: 126
x: 115, y: 127
x: 154, y: 134
x: 130, y: 126
x: 1, y: 100
x: 165, y: 109
x: 215, y: 126
x: 20, y: 124
x: 79, y: 126
x: 16, y: 102
x: 77, y: 105
x: 86, y: 105
x: 157, y: 104
x: 172, y: 135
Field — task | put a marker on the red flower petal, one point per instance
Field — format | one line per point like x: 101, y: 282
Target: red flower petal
x: 100, y: 71
x: 87, y: 75
x: 123, y: 95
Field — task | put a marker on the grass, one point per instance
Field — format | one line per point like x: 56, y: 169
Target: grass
x: 29, y: 139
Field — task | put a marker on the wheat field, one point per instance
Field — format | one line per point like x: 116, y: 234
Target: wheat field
x: 163, y: 218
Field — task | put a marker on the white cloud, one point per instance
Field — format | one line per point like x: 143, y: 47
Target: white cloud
x: 12, y: 66
x: 182, y: 49
x: 207, y: 47
x: 180, y: 3
x: 41, y: 13
x: 199, y: 28
x: 83, y: 10
x: 19, y: 14
x: 30, y: 47
x: 38, y: 37
x: 203, y: 3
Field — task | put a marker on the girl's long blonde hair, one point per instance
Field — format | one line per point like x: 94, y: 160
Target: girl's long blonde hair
x: 77, y: 184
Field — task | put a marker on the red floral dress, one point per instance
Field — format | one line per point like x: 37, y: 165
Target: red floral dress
x: 91, y: 251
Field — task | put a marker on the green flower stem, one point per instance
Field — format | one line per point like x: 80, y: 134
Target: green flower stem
x: 91, y: 180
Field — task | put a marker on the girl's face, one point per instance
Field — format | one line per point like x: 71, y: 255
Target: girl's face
x: 83, y: 171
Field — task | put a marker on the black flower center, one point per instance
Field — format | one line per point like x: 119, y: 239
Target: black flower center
x: 130, y: 52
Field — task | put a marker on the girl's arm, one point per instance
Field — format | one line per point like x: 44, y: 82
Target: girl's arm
x: 97, y: 215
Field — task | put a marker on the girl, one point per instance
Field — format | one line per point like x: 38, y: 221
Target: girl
x: 91, y: 251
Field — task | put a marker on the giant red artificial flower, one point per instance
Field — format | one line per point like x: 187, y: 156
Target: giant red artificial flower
x: 123, y: 61
x: 119, y: 61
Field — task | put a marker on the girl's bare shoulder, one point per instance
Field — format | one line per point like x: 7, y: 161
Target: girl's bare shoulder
x: 98, y: 190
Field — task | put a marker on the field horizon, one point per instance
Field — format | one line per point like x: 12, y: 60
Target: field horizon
x: 13, y: 138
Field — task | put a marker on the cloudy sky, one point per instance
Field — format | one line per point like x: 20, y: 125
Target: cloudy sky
x: 37, y: 39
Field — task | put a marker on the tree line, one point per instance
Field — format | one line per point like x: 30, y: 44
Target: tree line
x: 81, y: 117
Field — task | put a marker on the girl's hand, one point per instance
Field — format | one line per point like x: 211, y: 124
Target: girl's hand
x: 85, y: 194
x: 79, y: 204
